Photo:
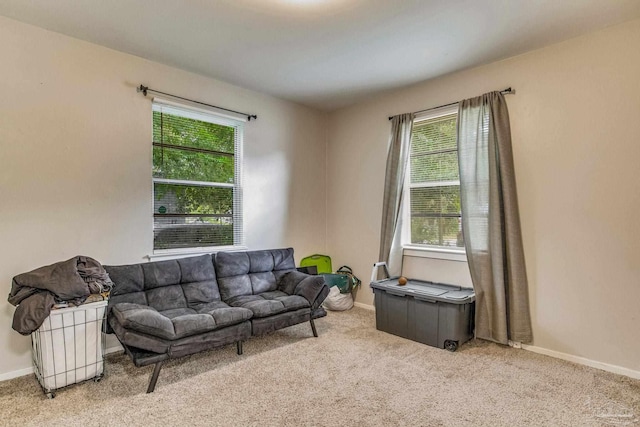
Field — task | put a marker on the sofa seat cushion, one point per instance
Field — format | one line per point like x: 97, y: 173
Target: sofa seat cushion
x: 223, y: 314
x: 178, y: 323
x: 183, y: 346
x: 269, y: 303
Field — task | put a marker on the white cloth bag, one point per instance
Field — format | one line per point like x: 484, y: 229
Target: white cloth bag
x: 336, y: 301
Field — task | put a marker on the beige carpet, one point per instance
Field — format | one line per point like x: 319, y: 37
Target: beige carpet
x: 351, y: 375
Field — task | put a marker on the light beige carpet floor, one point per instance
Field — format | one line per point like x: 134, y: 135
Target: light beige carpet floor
x: 351, y: 375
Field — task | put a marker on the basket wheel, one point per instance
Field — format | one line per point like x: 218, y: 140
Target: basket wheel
x: 50, y: 395
x: 451, y: 345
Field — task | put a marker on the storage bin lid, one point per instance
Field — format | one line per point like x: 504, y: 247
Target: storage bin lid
x: 427, y: 290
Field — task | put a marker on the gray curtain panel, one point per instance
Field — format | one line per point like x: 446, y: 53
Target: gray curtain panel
x: 391, y: 229
x: 490, y: 220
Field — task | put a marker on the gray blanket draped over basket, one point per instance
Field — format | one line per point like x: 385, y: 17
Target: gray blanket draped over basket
x: 34, y: 293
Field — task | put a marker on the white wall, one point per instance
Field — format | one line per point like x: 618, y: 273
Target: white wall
x: 75, y: 160
x: 576, y: 139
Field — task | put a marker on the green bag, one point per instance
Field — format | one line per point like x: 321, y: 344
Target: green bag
x: 343, y: 279
x: 340, y: 280
x: 323, y: 262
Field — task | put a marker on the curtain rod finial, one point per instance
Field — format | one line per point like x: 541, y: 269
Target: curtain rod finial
x: 142, y: 89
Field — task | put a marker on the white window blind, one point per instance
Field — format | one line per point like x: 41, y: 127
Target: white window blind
x: 197, y: 179
x: 434, y: 185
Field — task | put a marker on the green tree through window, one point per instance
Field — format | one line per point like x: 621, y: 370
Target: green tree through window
x: 434, y: 188
x: 195, y: 179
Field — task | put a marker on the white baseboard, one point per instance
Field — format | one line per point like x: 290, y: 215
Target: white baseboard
x: 114, y: 349
x: 584, y: 361
x: 15, y: 374
x: 365, y: 306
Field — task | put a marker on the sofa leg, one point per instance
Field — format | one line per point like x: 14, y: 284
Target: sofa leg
x: 313, y: 328
x: 239, y: 345
x: 154, y: 377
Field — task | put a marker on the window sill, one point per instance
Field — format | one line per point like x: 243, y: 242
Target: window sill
x: 458, y: 255
x: 181, y: 253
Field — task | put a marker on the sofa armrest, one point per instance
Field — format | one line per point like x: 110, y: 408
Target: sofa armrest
x: 312, y: 288
x: 289, y: 281
x: 143, y: 318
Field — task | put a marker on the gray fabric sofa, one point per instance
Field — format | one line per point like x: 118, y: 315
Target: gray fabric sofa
x: 168, y: 309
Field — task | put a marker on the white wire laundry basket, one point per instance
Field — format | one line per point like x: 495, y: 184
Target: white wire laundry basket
x: 69, y: 346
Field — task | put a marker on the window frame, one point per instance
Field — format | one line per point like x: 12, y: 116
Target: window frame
x: 215, y: 117
x: 417, y: 249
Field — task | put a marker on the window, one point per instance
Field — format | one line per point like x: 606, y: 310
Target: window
x: 434, y: 184
x: 197, y: 190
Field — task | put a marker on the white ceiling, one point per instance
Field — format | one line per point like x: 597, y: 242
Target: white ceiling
x: 323, y: 53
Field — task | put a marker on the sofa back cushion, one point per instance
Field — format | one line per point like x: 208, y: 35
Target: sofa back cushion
x: 252, y: 272
x: 165, y: 285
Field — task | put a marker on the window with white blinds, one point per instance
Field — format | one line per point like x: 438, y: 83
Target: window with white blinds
x: 434, y: 183
x: 197, y: 185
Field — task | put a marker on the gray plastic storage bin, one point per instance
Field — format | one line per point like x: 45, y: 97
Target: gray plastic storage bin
x: 430, y: 313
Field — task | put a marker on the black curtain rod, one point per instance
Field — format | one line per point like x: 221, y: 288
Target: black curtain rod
x: 145, y: 89
x: 507, y: 91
